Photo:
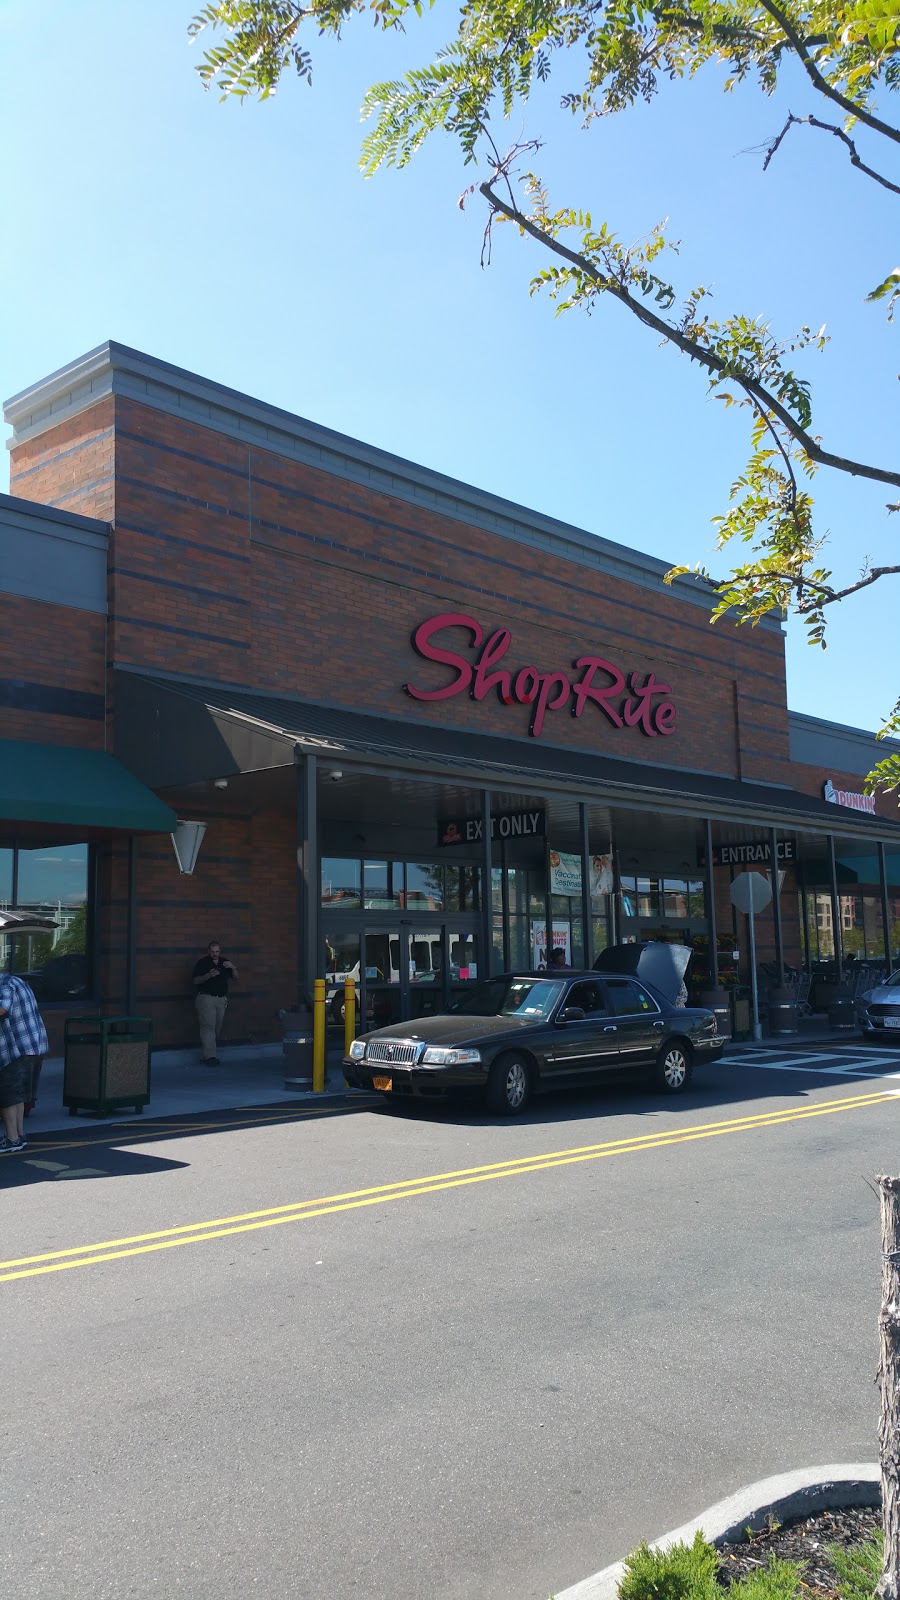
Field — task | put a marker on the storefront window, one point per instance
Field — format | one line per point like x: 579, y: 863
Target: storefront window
x: 51, y: 881
x: 463, y: 888
x: 424, y: 886
x: 341, y: 882
x: 382, y: 885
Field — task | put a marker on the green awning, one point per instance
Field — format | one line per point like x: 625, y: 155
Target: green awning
x: 50, y: 783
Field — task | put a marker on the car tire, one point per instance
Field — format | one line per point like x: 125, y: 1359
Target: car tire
x: 674, y: 1068
x: 509, y: 1086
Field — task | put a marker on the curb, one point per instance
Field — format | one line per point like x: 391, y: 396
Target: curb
x: 787, y: 1496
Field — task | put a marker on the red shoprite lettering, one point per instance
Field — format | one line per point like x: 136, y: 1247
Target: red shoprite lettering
x: 624, y: 701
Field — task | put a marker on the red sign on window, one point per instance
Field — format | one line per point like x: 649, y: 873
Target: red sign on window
x: 622, y: 698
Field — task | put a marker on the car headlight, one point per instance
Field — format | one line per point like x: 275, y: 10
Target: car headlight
x: 435, y: 1057
x: 358, y: 1050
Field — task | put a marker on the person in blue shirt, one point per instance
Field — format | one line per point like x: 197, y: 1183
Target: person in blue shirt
x: 23, y: 1045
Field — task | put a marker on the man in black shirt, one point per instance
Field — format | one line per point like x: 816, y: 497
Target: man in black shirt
x: 212, y: 975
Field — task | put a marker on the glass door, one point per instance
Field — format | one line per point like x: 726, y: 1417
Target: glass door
x: 341, y: 962
x: 462, y: 964
x: 386, y: 975
x: 427, y: 970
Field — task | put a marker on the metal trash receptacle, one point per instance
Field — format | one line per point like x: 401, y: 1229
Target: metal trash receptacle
x: 297, y: 1049
x: 784, y: 1013
x: 718, y: 1002
x: 841, y: 1014
x: 741, y: 1024
x: 106, y: 1064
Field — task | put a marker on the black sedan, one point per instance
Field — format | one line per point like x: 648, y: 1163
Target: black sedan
x: 519, y: 1033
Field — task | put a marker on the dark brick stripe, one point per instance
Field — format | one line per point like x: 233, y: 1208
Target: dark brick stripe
x: 62, y: 455
x: 187, y: 633
x: 173, y: 583
x: 17, y: 694
x: 174, y: 538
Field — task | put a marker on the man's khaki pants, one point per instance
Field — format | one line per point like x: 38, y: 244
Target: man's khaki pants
x: 211, y: 1015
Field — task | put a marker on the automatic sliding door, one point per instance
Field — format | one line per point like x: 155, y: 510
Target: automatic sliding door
x: 386, y: 973
x: 464, y: 966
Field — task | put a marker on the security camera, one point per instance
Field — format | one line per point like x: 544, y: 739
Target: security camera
x: 220, y: 783
x: 335, y: 775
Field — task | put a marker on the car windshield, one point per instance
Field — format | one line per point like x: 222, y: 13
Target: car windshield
x: 510, y: 997
x: 893, y: 982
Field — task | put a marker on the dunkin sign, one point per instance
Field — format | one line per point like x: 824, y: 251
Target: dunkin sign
x: 625, y: 699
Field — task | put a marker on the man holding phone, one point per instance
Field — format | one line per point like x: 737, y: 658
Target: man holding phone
x: 212, y: 975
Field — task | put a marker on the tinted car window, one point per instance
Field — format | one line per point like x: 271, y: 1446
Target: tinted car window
x: 590, y: 997
x: 628, y: 998
x: 510, y: 997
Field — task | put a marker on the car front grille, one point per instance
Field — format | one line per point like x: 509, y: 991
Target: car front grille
x: 397, y: 1051
x: 884, y: 1011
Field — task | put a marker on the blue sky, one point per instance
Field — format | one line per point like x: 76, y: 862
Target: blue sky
x: 242, y: 243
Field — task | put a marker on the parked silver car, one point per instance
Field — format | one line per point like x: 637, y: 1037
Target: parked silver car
x: 878, y: 1010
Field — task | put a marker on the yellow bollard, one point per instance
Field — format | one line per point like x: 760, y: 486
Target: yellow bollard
x: 319, y: 1036
x: 349, y: 1014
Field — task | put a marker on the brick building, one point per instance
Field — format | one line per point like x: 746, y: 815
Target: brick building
x: 344, y: 665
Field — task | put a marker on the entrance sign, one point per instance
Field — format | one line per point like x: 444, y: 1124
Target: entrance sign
x: 504, y: 825
x: 622, y: 699
x: 751, y: 892
x: 848, y: 797
x: 565, y: 873
x: 753, y: 852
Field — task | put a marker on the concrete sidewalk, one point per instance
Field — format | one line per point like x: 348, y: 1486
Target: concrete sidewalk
x: 249, y: 1075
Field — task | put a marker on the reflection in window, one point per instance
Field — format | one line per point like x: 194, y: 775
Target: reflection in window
x: 463, y: 885
x: 50, y: 881
x: 424, y: 886
x: 382, y: 885
x: 341, y: 883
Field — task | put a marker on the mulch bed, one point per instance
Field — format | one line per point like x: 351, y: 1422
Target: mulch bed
x: 807, y: 1541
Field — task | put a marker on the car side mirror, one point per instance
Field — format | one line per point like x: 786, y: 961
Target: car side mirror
x: 572, y: 1014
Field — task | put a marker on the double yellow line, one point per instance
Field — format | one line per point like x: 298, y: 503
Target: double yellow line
x: 328, y: 1205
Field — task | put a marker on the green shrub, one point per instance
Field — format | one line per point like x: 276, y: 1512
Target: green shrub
x: 777, y: 1580
x: 684, y: 1572
x: 858, y: 1569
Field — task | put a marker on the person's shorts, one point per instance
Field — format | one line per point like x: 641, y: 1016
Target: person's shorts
x: 15, y: 1081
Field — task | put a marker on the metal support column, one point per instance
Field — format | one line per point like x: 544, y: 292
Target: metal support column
x: 586, y: 917
x: 835, y: 912
x: 885, y: 908
x: 307, y: 880
x: 504, y: 905
x: 711, y: 908
x: 614, y: 863
x: 804, y: 906
x: 487, y: 897
x: 776, y: 905
x: 131, y: 932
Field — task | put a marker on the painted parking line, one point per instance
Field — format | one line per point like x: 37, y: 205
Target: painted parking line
x: 856, y: 1064
x: 87, y: 1255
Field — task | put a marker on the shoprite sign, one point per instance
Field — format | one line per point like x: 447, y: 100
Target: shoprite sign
x: 622, y: 698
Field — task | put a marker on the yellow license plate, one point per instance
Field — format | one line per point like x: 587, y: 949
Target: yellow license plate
x: 382, y: 1083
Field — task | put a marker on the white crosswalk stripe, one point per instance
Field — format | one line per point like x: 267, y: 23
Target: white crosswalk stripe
x: 844, y: 1061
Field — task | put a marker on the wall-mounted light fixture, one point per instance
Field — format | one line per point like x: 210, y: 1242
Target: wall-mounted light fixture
x: 186, y: 842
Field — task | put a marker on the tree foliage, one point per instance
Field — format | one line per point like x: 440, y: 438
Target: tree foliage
x: 605, y: 56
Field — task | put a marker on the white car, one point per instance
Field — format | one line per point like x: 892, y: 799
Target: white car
x: 878, y: 1010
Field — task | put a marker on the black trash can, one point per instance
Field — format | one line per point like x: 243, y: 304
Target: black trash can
x: 842, y: 1014
x: 718, y: 1002
x: 297, y: 1048
x: 784, y: 1013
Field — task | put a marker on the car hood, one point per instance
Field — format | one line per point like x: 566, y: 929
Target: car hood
x: 448, y: 1029
x: 883, y: 995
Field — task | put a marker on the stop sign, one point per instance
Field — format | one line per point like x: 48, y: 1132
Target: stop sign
x: 751, y: 892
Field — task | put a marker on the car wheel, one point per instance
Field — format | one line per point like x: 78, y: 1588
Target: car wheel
x: 509, y: 1086
x: 674, y: 1068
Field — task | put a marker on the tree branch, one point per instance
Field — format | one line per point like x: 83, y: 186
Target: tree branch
x: 831, y: 127
x: 798, y: 45
x: 825, y: 595
x: 690, y: 347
